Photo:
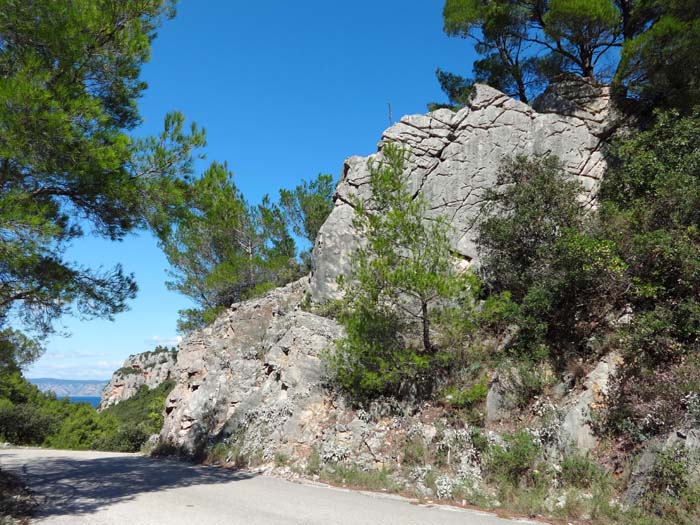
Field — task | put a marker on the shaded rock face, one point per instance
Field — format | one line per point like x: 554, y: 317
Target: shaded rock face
x: 455, y: 157
x: 149, y: 368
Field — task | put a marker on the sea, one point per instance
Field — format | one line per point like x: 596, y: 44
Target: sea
x: 94, y: 401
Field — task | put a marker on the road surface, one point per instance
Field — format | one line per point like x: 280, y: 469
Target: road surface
x: 102, y: 488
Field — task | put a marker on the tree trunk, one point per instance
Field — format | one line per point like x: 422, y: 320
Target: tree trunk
x: 522, y: 93
x: 427, y: 347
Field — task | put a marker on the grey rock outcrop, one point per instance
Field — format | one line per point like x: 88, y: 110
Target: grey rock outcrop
x: 502, y: 395
x: 149, y: 368
x: 257, y: 367
x: 253, y: 380
x: 575, y: 431
x: 455, y: 158
x: 253, y: 383
x: 681, y: 444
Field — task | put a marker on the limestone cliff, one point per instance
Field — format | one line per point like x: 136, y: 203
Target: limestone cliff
x: 252, y: 385
x: 149, y: 368
x: 256, y: 366
x: 454, y: 158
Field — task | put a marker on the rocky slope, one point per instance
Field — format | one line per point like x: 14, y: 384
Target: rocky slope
x: 252, y: 382
x: 256, y: 368
x: 149, y: 368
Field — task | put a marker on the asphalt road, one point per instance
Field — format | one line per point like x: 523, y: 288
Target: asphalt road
x: 100, y: 488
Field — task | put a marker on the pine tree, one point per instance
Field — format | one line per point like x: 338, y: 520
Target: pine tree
x: 402, y: 283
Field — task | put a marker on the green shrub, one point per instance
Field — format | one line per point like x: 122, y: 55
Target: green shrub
x: 531, y: 377
x: 358, y: 477
x: 218, y: 454
x: 579, y: 471
x: 167, y: 449
x: 313, y: 462
x: 144, y: 409
x: 371, y: 361
x: 514, y: 462
x: 668, y: 478
x: 281, y: 459
x: 83, y: 429
x: 480, y: 441
x: 128, y: 370
x: 414, y: 451
x: 401, y: 289
x: 26, y: 424
x: 127, y: 438
x: 555, y: 277
x: 467, y: 397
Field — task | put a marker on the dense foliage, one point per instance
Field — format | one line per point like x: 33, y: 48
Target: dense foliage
x: 223, y: 250
x: 558, y: 279
x: 647, y: 48
x: 404, y: 286
x: 578, y: 282
x: 306, y: 208
x: 69, y: 81
x: 651, y: 211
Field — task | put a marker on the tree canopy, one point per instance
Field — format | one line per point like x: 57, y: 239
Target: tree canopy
x: 404, y: 284
x: 69, y: 82
x: 648, y: 48
x: 223, y: 249
x: 307, y: 207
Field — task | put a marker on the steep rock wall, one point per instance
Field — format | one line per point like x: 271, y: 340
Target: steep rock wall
x: 454, y: 159
x: 256, y: 366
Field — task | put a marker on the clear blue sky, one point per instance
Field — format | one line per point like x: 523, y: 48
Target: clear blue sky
x: 285, y: 90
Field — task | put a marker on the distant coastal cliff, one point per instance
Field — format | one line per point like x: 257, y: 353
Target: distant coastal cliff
x: 150, y: 369
x: 70, y: 387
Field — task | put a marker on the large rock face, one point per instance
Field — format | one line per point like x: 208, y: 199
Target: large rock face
x: 256, y: 370
x: 257, y: 366
x: 455, y: 158
x: 253, y: 383
x: 576, y: 431
x: 150, y: 369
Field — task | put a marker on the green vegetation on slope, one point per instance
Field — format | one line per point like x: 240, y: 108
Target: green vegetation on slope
x: 403, y: 292
x: 29, y: 417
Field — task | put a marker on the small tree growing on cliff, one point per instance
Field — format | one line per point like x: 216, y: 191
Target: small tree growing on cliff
x: 403, y: 282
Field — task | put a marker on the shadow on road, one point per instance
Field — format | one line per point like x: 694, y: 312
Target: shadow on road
x: 82, y: 486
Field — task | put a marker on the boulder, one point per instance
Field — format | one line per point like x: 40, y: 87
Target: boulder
x: 685, y: 442
x: 502, y: 395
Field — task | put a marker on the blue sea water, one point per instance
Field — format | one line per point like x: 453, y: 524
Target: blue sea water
x: 94, y: 401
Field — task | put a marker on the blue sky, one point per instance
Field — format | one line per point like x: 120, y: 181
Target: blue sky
x: 285, y: 90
